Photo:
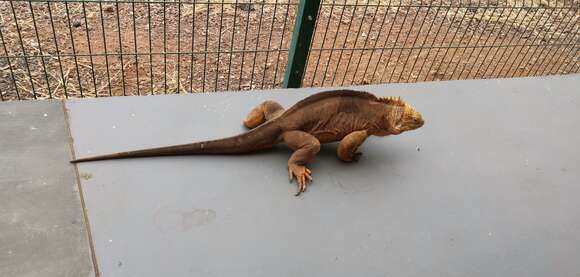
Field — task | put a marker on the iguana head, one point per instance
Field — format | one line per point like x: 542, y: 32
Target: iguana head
x: 400, y: 116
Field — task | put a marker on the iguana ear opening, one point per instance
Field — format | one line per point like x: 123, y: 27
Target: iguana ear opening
x: 393, y: 120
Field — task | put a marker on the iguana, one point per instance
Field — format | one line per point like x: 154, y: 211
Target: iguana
x: 347, y: 116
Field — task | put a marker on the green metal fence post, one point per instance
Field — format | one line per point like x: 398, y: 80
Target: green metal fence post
x: 300, y: 46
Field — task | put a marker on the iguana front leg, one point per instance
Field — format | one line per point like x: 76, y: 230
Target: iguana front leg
x: 305, y: 148
x: 347, y: 148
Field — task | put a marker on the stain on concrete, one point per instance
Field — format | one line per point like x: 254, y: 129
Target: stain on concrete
x: 86, y: 175
x: 197, y: 217
x: 169, y: 219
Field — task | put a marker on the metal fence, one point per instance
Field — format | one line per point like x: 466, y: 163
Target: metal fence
x: 94, y: 48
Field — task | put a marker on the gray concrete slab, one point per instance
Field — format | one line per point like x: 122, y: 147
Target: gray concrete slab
x: 493, y: 190
x: 42, y: 228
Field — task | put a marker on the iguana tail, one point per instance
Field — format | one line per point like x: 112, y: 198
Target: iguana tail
x: 262, y: 137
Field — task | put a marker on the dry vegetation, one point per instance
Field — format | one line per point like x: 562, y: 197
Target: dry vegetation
x: 168, y: 47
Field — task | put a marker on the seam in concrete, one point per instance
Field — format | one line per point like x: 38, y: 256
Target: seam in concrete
x: 81, y: 194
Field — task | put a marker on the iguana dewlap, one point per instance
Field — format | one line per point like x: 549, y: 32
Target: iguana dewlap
x: 342, y: 115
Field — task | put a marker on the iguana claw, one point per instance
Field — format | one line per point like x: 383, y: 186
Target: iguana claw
x: 356, y: 156
x: 302, y: 175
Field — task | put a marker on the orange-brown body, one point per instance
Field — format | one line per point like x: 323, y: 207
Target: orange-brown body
x: 342, y: 115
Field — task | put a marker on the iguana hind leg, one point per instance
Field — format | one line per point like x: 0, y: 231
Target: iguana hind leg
x: 305, y: 148
x: 347, y: 148
x: 263, y: 112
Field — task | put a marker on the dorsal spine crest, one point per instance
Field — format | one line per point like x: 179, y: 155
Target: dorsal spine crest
x: 393, y: 100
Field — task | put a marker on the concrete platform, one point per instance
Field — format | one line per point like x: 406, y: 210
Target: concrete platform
x: 493, y: 190
x: 488, y: 187
x: 42, y: 227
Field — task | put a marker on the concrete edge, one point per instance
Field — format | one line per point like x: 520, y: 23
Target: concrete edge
x: 80, y: 189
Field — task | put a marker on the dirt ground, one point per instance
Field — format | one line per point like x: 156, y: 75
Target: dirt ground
x: 90, y: 49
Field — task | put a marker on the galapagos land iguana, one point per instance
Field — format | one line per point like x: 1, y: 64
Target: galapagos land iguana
x: 346, y: 116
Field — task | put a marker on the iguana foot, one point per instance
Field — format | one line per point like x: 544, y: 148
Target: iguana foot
x: 350, y: 158
x: 347, y: 148
x: 302, y: 175
x: 356, y: 156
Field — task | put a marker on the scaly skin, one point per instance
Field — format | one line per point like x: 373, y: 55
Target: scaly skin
x: 342, y: 115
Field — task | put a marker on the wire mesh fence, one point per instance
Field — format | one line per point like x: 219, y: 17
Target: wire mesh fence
x: 94, y: 48
x: 420, y: 40
x: 102, y: 48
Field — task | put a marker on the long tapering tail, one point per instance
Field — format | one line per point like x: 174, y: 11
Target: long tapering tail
x: 259, y: 138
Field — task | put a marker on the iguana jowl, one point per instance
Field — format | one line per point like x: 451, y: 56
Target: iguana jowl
x: 342, y: 115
